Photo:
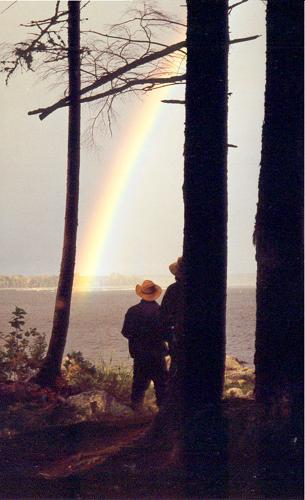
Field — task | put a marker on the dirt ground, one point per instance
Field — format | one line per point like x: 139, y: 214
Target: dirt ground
x: 254, y: 459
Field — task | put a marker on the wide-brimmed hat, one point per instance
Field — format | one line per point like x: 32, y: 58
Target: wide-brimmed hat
x: 176, y: 268
x: 148, y: 290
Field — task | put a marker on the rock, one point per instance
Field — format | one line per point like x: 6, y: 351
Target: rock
x: 98, y: 403
x: 239, y: 378
x: 247, y: 372
x: 241, y: 381
x: 233, y: 363
x: 249, y: 394
x: 234, y: 392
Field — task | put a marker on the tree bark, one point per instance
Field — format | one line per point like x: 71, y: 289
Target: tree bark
x: 52, y: 365
x: 201, y: 360
x: 205, y: 200
x: 190, y: 423
x: 279, y: 219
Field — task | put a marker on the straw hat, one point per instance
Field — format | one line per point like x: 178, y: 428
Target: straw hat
x: 148, y: 291
x: 176, y: 268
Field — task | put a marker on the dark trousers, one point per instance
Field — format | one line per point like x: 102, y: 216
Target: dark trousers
x: 146, y: 370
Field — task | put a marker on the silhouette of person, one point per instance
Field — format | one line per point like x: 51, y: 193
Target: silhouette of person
x: 146, y: 344
x: 172, y: 307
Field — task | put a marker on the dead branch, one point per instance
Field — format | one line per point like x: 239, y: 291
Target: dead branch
x: 151, y: 17
x: 158, y: 22
x: 173, y: 101
x: 143, y: 85
x: 23, y: 51
x: 127, y: 39
x: 245, y: 39
x: 44, y: 112
x: 122, y: 59
x: 8, y: 7
x: 109, y: 77
x: 236, y: 5
x: 150, y: 82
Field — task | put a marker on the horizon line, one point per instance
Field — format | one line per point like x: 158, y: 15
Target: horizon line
x: 112, y: 274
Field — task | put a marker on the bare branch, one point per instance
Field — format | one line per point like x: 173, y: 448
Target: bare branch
x: 246, y: 39
x: 123, y: 61
x: 43, y: 113
x: 129, y: 40
x: 151, y: 16
x: 8, y: 7
x: 109, y: 77
x: 160, y: 21
x: 24, y: 51
x: 127, y: 59
x: 236, y: 5
x: 56, y: 16
x: 173, y: 101
x: 151, y: 82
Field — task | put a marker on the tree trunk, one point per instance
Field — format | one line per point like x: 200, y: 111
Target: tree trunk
x: 190, y: 422
x: 52, y: 364
x: 205, y: 246
x: 205, y: 200
x: 279, y: 219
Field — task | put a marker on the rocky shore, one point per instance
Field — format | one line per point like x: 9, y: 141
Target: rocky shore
x: 27, y: 407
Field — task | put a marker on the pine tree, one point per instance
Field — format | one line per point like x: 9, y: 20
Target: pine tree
x: 52, y: 365
x: 279, y: 219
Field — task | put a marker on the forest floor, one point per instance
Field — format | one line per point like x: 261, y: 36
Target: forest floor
x: 260, y: 458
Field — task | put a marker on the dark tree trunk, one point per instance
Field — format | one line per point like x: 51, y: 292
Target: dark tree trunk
x: 205, y: 200
x: 190, y: 421
x: 279, y: 219
x: 52, y: 364
x: 205, y: 247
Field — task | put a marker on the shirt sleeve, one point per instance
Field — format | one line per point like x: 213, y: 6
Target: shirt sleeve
x: 128, y: 329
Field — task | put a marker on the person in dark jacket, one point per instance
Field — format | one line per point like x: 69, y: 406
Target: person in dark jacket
x: 146, y: 344
x: 172, y: 307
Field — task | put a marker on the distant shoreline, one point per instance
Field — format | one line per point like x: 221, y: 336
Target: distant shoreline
x: 19, y: 281
x: 101, y: 289
x: 114, y: 281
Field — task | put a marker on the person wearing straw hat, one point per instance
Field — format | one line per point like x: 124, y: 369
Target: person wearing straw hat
x: 146, y: 344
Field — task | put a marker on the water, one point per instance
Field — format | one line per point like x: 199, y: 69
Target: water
x: 97, y: 317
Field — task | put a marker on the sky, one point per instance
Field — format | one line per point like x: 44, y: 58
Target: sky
x: 144, y: 230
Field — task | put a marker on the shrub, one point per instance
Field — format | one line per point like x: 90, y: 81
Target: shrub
x: 22, y: 351
x: 116, y: 380
x: 82, y: 375
x: 79, y: 372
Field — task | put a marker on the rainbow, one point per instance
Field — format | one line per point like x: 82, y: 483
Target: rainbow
x: 120, y: 173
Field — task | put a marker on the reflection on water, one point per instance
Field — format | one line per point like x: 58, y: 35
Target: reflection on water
x: 97, y: 317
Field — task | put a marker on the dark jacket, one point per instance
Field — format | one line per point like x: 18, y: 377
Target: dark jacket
x: 143, y: 330
x: 171, y: 313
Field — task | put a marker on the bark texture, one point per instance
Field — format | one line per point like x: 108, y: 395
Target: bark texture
x: 201, y: 357
x: 205, y: 200
x: 279, y: 219
x: 191, y: 413
x: 52, y: 364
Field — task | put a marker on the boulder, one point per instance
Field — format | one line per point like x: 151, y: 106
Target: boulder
x: 234, y: 392
x: 234, y: 363
x: 98, y: 403
x: 239, y: 379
